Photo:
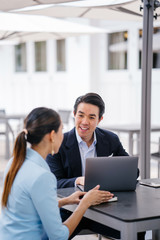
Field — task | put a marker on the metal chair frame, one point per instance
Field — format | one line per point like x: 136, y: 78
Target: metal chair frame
x: 156, y: 156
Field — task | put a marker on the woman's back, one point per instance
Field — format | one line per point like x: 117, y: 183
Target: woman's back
x: 29, y: 201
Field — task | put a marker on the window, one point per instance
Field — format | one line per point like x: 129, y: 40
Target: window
x: 40, y: 56
x: 156, y: 47
x: 117, y: 50
x: 20, y: 58
x: 61, y: 55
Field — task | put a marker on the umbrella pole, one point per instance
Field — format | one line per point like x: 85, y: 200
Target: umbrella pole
x: 147, y: 59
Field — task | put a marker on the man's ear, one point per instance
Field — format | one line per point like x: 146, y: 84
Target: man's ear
x: 100, y: 119
x: 74, y: 113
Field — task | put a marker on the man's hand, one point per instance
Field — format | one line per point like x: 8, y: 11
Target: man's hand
x: 80, y: 181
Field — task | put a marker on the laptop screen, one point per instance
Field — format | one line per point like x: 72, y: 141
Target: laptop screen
x: 111, y: 173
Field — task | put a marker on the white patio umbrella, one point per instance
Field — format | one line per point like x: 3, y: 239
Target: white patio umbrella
x: 128, y: 11
x: 81, y: 9
x: 22, y: 28
x: 16, y: 4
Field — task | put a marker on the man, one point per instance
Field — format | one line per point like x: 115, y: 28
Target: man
x: 84, y: 141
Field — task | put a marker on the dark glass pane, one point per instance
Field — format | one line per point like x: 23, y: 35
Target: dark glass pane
x: 156, y: 48
x: 61, y: 55
x: 40, y: 56
x: 20, y: 58
x: 117, y: 50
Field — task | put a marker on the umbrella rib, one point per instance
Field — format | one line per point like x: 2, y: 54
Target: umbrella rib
x: 5, y: 36
x: 58, y: 35
x: 37, y: 1
x: 115, y: 9
x: 27, y: 34
x: 20, y: 35
x: 82, y: 15
x: 126, y: 11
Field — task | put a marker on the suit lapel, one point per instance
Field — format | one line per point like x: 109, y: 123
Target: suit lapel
x: 102, y: 145
x: 73, y: 154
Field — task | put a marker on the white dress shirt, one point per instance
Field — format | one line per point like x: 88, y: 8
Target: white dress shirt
x: 85, y: 151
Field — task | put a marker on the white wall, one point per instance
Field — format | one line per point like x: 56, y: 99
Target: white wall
x: 121, y: 89
x: 23, y: 91
x: 86, y: 71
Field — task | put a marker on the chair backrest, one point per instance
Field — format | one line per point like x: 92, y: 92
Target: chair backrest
x: 65, y: 115
x: 2, y: 111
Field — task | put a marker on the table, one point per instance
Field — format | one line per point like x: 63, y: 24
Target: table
x: 135, y: 211
x: 6, y: 118
x: 130, y: 129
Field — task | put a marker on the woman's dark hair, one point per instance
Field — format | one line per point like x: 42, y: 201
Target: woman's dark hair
x: 91, y: 98
x: 37, y: 124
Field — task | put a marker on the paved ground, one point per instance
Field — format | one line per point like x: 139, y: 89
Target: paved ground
x: 3, y: 163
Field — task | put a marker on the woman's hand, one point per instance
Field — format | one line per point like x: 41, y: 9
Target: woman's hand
x: 96, y: 196
x: 93, y: 197
x: 75, y: 198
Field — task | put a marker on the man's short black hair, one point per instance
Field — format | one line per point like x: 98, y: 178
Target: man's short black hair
x: 91, y: 98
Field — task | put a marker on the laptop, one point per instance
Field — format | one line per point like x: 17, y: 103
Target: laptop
x: 153, y: 182
x: 111, y: 173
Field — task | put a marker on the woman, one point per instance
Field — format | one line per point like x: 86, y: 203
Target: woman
x: 29, y: 200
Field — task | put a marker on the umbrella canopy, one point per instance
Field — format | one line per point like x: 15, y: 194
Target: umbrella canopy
x: 16, y: 4
x: 22, y: 28
x: 110, y: 12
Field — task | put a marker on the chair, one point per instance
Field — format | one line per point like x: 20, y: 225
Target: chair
x: 156, y: 156
x: 65, y: 117
x: 89, y: 232
x: 5, y: 129
x: 2, y: 122
x: 2, y: 111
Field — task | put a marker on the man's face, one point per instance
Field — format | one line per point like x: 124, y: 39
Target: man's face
x: 86, y: 120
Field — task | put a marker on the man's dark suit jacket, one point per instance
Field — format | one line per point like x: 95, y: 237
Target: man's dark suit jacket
x: 66, y: 164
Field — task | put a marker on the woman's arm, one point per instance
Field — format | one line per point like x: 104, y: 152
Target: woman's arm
x: 72, y: 199
x: 44, y: 197
x: 93, y: 197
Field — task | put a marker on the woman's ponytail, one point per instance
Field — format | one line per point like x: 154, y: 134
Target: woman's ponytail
x: 19, y: 153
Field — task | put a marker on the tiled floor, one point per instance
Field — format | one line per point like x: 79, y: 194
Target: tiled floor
x: 3, y: 163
